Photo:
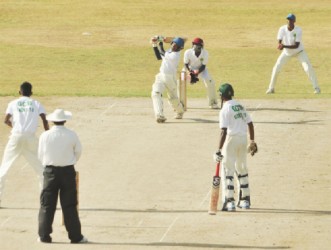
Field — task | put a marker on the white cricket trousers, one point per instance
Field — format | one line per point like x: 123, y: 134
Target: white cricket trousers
x: 306, y: 65
x: 234, y: 161
x: 165, y: 82
x: 210, y: 86
x: 25, y: 145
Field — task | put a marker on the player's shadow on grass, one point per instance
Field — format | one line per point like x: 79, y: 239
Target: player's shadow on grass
x: 309, y: 122
x: 280, y: 109
x: 191, y: 120
x: 287, y: 211
x: 191, y: 245
x: 252, y: 210
x: 178, y: 211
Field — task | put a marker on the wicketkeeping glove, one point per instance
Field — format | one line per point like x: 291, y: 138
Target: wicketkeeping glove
x: 252, y: 148
x: 194, y: 78
x: 218, y: 156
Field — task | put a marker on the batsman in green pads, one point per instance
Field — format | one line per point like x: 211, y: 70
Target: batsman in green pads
x: 234, y: 121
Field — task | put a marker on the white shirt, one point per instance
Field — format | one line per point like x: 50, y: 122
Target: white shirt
x: 170, y: 62
x: 25, y: 114
x: 290, y: 38
x: 59, y: 147
x: 194, y: 61
x: 234, y: 117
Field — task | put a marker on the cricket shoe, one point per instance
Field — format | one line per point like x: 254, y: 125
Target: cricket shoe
x: 47, y: 239
x: 214, y: 106
x: 83, y: 240
x: 160, y: 119
x: 230, y: 206
x: 270, y: 91
x: 317, y: 91
x: 243, y: 204
x: 179, y: 116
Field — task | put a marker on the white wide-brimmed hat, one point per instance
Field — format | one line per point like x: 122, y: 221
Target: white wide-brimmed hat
x: 59, y: 115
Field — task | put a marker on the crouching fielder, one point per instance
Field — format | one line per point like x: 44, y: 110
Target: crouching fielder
x: 233, y: 121
x: 166, y: 78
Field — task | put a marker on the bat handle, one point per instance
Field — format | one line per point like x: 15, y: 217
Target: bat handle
x: 218, y: 169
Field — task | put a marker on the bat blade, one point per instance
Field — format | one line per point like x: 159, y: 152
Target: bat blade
x: 215, y: 191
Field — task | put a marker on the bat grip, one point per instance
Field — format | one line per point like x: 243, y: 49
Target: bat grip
x: 218, y: 169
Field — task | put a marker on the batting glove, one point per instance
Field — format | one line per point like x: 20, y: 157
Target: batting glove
x: 160, y: 38
x: 218, y: 156
x: 252, y: 148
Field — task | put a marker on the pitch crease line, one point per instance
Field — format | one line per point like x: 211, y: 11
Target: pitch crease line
x: 204, y: 199
x: 6, y: 220
x: 169, y: 228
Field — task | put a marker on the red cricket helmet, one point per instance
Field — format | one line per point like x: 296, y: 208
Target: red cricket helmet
x: 197, y: 41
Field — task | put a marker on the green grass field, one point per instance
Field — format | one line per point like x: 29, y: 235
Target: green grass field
x: 101, y: 48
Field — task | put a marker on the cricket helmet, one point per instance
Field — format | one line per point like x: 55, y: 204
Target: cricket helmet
x: 226, y: 91
x: 291, y: 17
x: 179, y: 41
x: 197, y: 41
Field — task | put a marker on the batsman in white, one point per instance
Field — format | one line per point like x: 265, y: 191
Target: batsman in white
x: 22, y: 116
x: 290, y: 42
x: 196, y: 60
x: 166, y: 78
x: 233, y: 121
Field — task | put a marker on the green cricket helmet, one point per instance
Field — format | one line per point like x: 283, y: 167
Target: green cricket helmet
x: 226, y: 91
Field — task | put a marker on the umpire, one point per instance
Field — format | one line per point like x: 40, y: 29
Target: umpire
x: 59, y: 149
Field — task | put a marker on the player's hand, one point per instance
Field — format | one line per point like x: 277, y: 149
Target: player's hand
x: 252, y: 148
x: 218, y: 156
x: 157, y: 39
x: 154, y: 41
x: 160, y: 39
x: 280, y: 46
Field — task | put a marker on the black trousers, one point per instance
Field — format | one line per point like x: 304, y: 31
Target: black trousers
x: 59, y: 180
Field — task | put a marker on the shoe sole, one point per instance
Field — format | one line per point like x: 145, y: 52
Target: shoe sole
x: 161, y: 120
x: 244, y: 207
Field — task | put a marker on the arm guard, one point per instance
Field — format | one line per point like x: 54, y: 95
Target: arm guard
x: 157, y: 53
x: 202, y: 68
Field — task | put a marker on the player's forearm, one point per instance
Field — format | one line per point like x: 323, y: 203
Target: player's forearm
x: 45, y: 122
x: 202, y: 68
x: 282, y: 46
x: 222, y: 138
x: 251, y: 131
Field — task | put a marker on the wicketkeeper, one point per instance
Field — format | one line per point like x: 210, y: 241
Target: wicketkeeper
x: 195, y: 60
x: 233, y: 121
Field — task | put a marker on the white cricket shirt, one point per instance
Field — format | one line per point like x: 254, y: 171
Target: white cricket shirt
x: 170, y: 62
x: 290, y: 38
x: 234, y: 117
x: 25, y: 114
x: 59, y: 147
x: 194, y: 61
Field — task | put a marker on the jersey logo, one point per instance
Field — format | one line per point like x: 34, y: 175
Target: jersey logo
x: 25, y: 106
x: 238, y: 114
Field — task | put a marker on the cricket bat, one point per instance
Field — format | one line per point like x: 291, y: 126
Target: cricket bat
x: 182, y: 89
x: 215, y: 191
